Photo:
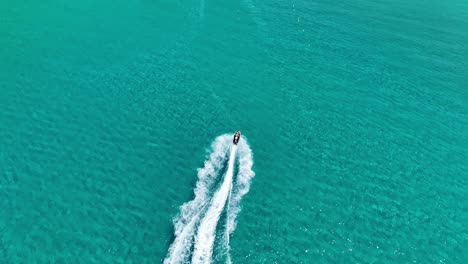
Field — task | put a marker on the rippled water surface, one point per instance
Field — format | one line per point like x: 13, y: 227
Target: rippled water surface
x: 355, y: 113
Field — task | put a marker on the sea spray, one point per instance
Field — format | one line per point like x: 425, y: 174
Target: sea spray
x: 226, y: 228
x: 186, y: 221
x: 188, y: 225
x: 241, y: 186
x: 206, y: 231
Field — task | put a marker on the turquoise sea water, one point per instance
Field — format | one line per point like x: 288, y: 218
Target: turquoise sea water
x: 355, y: 112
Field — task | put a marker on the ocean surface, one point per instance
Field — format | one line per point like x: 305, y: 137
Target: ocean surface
x: 114, y: 114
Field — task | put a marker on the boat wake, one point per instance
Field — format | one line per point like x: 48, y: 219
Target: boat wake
x: 197, y: 223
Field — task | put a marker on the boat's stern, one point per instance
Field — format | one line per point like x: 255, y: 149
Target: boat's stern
x: 236, y: 137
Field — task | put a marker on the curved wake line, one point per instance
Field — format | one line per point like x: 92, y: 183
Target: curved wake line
x: 242, y: 187
x: 242, y: 184
x: 195, y: 226
x: 227, y: 233
x: 206, y: 231
x: 190, y: 212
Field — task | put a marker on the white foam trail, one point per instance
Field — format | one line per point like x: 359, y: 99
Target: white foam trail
x: 227, y: 233
x: 241, y: 186
x: 190, y: 212
x: 206, y: 230
x: 193, y: 213
x: 242, y: 183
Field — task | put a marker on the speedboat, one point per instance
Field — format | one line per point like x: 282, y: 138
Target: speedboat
x: 236, y: 137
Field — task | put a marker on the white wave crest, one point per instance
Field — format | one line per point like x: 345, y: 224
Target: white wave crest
x: 185, y: 222
x: 206, y: 231
x: 241, y: 186
x: 198, y: 219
